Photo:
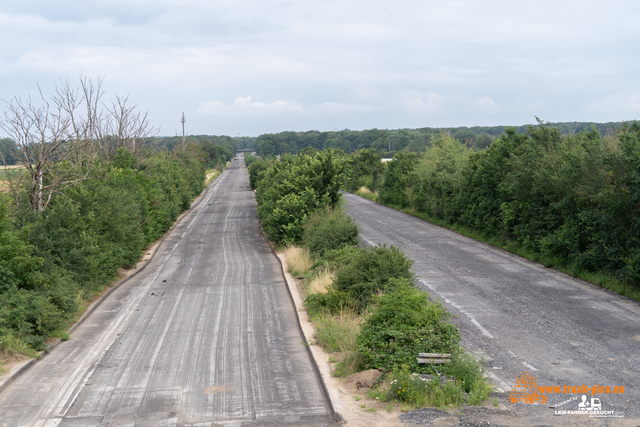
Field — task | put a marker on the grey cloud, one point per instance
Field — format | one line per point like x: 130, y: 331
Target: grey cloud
x: 321, y: 65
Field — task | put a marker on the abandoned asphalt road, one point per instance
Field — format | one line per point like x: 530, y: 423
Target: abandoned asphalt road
x: 206, y: 335
x: 521, y: 316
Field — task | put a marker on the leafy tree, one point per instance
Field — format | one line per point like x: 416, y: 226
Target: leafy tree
x: 7, y: 152
x: 367, y: 170
x: 396, y: 179
x: 290, y: 190
x: 438, y: 177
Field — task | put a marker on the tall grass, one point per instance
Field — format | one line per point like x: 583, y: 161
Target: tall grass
x: 13, y: 349
x: 299, y: 260
x: 320, y: 282
x: 368, y: 194
x: 211, y: 175
x: 338, y: 333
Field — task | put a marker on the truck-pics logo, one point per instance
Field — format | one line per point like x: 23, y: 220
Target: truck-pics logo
x: 526, y: 390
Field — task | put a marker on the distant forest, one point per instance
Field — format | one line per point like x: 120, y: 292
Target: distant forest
x: 388, y: 142
x: 385, y: 142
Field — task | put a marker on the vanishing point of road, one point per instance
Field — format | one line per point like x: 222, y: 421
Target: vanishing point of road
x: 205, y: 335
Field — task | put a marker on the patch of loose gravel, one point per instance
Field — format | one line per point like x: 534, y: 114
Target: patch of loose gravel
x: 423, y: 416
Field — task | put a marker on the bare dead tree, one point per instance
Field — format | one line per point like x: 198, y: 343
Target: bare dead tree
x: 53, y: 138
x: 125, y: 127
x: 60, y: 138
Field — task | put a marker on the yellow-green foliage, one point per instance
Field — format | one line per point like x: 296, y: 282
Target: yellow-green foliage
x: 368, y: 194
x: 320, y: 282
x: 338, y: 333
x: 298, y: 260
x: 211, y: 176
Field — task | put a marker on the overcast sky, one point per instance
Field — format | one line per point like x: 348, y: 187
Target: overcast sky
x: 263, y: 66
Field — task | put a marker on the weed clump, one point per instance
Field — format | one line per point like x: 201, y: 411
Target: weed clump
x: 298, y: 260
x: 371, y: 271
x: 329, y: 229
x: 402, y: 324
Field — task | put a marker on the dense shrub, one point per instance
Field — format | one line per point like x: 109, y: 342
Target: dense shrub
x: 367, y: 170
x: 370, y: 272
x: 73, y: 248
x: 291, y: 189
x: 404, y: 323
x: 248, y: 159
x: 328, y: 229
x: 336, y: 258
x: 396, y: 179
x: 361, y: 274
x: 332, y: 302
x: 566, y: 200
x: 257, y: 168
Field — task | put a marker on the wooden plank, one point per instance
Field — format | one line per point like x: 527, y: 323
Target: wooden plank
x: 433, y: 360
x: 440, y: 355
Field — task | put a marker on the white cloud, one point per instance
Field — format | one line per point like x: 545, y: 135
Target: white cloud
x: 247, y: 106
x: 345, y: 63
x: 423, y: 104
x: 620, y: 104
x: 485, y: 102
x: 339, y: 108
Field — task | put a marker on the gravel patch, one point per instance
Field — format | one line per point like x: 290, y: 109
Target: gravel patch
x: 423, y: 416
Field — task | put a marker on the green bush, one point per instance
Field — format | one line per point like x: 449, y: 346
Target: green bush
x: 370, y: 271
x: 336, y: 258
x: 50, y: 260
x: 402, y: 324
x: 290, y: 190
x: 332, y: 302
x: 329, y: 229
x: 396, y: 179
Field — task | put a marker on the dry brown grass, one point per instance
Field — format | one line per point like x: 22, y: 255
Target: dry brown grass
x: 9, y: 171
x: 211, y: 176
x: 320, y: 282
x: 298, y: 260
x: 365, y: 190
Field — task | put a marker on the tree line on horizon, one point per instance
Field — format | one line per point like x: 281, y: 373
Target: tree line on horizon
x: 388, y: 142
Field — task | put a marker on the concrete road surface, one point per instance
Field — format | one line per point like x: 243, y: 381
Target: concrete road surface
x: 206, y: 335
x: 521, y: 316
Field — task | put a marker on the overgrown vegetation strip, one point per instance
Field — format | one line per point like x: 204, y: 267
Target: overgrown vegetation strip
x: 298, y: 200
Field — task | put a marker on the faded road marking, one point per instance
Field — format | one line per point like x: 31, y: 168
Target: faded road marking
x: 448, y: 301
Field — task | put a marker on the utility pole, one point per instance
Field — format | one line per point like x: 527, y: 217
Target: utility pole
x: 184, y: 119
